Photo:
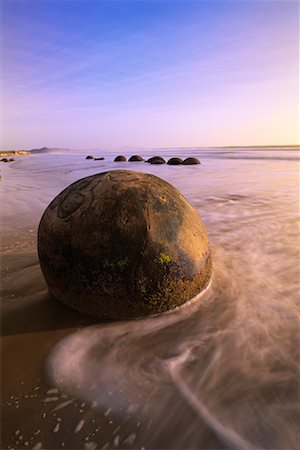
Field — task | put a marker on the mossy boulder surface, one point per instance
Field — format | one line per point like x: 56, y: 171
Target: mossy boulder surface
x: 123, y: 244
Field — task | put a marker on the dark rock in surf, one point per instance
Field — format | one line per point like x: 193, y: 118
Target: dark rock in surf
x: 175, y: 161
x: 120, y: 158
x: 135, y: 158
x: 11, y: 159
x: 4, y: 160
x: 99, y: 159
x: 89, y: 157
x: 123, y: 244
x: 156, y: 160
x: 191, y: 161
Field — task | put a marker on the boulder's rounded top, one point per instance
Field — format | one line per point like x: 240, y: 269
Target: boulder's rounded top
x: 156, y: 160
x: 120, y: 158
x: 135, y: 158
x: 174, y: 161
x: 191, y: 161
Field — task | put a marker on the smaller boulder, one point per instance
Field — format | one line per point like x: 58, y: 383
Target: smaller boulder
x: 89, y: 157
x: 11, y: 159
x: 135, y: 158
x: 99, y: 159
x: 120, y: 158
x: 175, y: 161
x: 190, y: 161
x: 4, y: 160
x: 156, y: 160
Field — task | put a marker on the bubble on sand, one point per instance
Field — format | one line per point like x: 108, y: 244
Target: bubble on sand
x: 52, y: 391
x: 79, y: 426
x: 56, y: 428
x: 107, y: 412
x: 38, y: 446
x: 62, y: 405
x: 116, y: 441
x: 90, y: 445
x: 50, y: 399
x: 130, y: 439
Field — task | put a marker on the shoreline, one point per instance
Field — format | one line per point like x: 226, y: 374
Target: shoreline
x: 227, y: 147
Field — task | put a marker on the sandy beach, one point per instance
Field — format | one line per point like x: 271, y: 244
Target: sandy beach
x: 221, y: 372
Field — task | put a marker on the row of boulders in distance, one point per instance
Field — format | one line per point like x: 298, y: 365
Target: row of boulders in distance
x: 7, y: 160
x: 173, y: 161
x: 153, y: 160
x: 160, y: 160
x: 95, y: 159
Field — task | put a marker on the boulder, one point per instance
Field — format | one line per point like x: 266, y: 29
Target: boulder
x: 156, y: 160
x: 123, y: 244
x: 120, y: 158
x: 89, y: 157
x: 174, y: 161
x: 190, y: 161
x: 135, y: 158
x: 99, y: 159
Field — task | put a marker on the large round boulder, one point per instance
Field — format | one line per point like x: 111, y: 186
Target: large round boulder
x: 123, y: 244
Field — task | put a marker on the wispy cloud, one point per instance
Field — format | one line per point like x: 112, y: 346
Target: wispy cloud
x: 194, y: 65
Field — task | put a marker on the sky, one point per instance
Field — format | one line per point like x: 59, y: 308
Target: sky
x: 149, y: 73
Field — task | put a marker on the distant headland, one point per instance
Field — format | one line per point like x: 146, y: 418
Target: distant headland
x: 28, y: 152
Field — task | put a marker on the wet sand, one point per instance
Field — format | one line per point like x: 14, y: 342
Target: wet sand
x: 29, y: 331
x: 35, y: 413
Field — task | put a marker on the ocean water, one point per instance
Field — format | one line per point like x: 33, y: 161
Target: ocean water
x: 223, y: 371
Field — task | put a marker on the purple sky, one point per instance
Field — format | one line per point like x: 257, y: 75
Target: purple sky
x: 152, y: 73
